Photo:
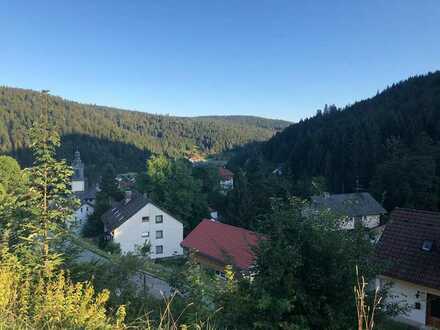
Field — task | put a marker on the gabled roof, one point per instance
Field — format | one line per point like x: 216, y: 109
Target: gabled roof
x: 120, y: 212
x: 224, y: 243
x: 83, y: 196
x: 225, y: 174
x: 401, y: 247
x: 352, y: 205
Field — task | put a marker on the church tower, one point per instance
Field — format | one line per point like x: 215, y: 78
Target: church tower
x: 78, y: 181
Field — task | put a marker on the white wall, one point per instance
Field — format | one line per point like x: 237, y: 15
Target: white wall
x: 406, y: 293
x: 214, y: 215
x: 370, y: 221
x: 78, y: 186
x: 129, y: 234
x: 81, y: 215
x: 227, y: 184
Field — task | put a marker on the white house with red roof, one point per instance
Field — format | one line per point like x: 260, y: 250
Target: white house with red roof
x: 216, y: 245
x: 226, y: 179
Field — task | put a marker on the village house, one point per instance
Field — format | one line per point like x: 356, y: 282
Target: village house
x: 136, y: 222
x: 353, y: 208
x: 126, y: 181
x: 226, y: 179
x: 410, y: 251
x: 213, y: 213
x: 216, y: 245
x: 87, y: 206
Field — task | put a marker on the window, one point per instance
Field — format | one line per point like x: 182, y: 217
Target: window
x: 145, y: 219
x: 159, y: 218
x: 159, y: 233
x: 146, y: 234
x: 427, y: 245
x: 159, y: 249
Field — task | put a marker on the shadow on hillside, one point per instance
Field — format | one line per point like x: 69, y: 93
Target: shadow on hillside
x: 95, y: 153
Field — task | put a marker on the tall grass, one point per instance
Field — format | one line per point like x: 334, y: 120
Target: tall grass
x: 365, y: 312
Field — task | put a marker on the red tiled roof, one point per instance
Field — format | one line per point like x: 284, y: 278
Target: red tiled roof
x: 224, y: 243
x: 400, y: 246
x: 225, y: 173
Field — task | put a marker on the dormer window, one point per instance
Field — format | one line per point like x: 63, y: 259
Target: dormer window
x: 427, y: 245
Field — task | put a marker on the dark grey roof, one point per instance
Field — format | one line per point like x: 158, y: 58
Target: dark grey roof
x: 352, y: 205
x: 83, y: 196
x: 122, y: 211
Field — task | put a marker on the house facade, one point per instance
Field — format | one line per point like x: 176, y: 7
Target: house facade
x: 354, y: 208
x: 216, y: 245
x: 136, y: 221
x: 410, y: 252
x: 82, y: 214
x: 226, y: 179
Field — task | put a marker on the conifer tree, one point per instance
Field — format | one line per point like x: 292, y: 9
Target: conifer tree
x: 49, y: 200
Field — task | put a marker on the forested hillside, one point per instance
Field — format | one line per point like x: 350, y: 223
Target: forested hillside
x: 123, y: 138
x: 390, y: 143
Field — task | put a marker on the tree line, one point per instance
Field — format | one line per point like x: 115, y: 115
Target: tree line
x: 122, y: 138
x: 388, y: 145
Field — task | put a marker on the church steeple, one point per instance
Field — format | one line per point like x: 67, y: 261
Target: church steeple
x: 78, y: 182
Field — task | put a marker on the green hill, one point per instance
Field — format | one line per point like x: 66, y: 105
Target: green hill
x: 123, y: 138
x: 390, y: 143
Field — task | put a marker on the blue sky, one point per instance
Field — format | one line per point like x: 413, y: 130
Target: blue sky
x: 271, y: 58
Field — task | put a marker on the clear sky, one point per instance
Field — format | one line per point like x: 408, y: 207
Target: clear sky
x: 271, y: 58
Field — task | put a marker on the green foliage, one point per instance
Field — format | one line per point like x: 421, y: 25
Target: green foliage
x: 200, y: 288
x: 344, y: 145
x: 10, y: 173
x: 109, y: 192
x: 172, y: 185
x: 304, y: 273
x: 108, y: 185
x: 254, y: 189
x: 47, y: 203
x: 408, y: 176
x: 123, y: 138
x: 52, y: 302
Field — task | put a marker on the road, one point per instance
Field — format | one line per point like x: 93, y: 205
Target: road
x: 144, y: 281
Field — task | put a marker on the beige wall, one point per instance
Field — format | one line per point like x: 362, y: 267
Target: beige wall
x: 406, y: 293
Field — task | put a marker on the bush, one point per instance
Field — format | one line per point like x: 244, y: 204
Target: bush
x: 52, y: 302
